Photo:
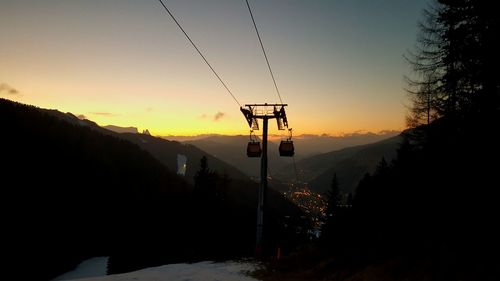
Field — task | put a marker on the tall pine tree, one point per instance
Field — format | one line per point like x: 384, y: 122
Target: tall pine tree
x: 455, y: 61
x: 334, y: 197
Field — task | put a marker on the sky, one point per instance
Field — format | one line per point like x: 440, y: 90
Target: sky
x: 338, y: 64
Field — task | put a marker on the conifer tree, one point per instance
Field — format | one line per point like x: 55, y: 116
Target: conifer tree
x: 333, y: 197
x: 455, y: 61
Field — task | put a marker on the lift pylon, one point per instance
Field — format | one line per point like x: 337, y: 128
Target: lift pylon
x: 265, y: 111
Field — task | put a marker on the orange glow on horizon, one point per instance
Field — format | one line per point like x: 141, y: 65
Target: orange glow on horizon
x: 159, y: 123
x: 135, y: 68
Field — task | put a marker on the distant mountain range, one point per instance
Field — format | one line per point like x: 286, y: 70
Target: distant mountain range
x: 350, y: 156
x: 232, y: 149
x: 310, y: 145
x: 305, y: 145
x: 350, y: 164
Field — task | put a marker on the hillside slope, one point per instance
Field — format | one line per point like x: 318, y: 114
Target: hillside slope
x: 164, y: 150
x: 350, y: 164
x: 70, y: 192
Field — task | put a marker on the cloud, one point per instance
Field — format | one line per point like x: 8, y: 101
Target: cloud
x: 219, y: 115
x: 6, y: 88
x: 149, y: 109
x: 216, y: 117
x: 108, y: 114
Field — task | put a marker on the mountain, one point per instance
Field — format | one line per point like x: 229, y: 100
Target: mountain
x: 187, y: 138
x: 72, y: 190
x: 350, y: 164
x: 164, y: 150
x: 306, y: 144
x: 118, y: 129
x: 232, y: 149
x: 309, y: 145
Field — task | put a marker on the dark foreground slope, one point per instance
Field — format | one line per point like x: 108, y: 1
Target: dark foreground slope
x: 70, y: 192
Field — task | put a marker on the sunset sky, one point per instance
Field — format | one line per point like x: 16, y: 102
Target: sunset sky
x: 338, y: 64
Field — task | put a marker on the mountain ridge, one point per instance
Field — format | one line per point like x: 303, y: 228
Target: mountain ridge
x: 164, y: 150
x: 350, y: 164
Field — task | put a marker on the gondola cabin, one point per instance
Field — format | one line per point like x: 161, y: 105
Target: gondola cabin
x: 253, y: 149
x: 286, y: 148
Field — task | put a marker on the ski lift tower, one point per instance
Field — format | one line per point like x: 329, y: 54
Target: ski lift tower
x: 265, y: 111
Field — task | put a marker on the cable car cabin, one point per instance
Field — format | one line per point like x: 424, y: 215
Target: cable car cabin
x: 286, y: 148
x: 253, y: 149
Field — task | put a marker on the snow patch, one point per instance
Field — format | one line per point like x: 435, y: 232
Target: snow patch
x: 201, y: 271
x: 93, y: 267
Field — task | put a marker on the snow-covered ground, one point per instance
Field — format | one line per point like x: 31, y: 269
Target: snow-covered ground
x: 89, y: 268
x: 201, y: 271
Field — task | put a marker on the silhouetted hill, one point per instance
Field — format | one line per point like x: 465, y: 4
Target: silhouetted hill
x: 350, y: 164
x: 72, y: 190
x: 310, y: 145
x: 232, y: 149
x: 164, y: 150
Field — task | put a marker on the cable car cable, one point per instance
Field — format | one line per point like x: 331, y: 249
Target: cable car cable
x: 264, y: 51
x: 199, y: 52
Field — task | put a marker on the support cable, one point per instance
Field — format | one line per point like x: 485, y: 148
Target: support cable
x: 264, y: 51
x: 199, y: 52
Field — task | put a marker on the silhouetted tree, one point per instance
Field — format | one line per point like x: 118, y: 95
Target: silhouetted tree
x: 333, y: 223
x: 209, y: 186
x: 382, y: 167
x: 456, y: 61
x: 334, y: 197
x: 205, y: 181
